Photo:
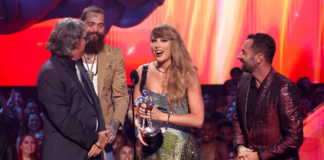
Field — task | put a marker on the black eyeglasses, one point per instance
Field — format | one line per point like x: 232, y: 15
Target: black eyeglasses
x: 86, y: 38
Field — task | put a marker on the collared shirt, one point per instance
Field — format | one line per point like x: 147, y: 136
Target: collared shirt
x: 84, y: 84
x: 74, y: 67
x: 253, y: 97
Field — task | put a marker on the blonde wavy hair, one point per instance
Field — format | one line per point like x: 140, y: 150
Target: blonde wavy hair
x: 181, y: 65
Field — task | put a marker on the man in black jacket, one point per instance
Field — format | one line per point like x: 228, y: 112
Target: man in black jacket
x: 74, y: 127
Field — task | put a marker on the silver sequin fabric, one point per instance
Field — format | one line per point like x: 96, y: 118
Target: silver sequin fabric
x: 178, y: 142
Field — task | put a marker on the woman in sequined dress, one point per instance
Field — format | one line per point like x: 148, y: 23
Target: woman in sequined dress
x: 173, y: 83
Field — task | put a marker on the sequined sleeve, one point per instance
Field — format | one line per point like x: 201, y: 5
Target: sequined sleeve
x: 238, y: 138
x: 290, y: 115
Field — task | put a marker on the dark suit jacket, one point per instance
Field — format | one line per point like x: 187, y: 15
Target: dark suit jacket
x: 277, y: 128
x: 70, y: 122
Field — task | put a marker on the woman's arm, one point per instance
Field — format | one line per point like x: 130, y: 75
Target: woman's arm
x: 137, y: 117
x: 196, y: 105
x: 137, y: 93
x: 196, y: 116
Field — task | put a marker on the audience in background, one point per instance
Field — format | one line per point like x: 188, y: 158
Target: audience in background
x: 318, y: 98
x: 304, y: 85
x: 231, y: 98
x: 40, y: 137
x: 9, y: 125
x: 209, y: 104
x: 212, y: 149
x: 310, y: 98
x: 236, y: 74
x: 28, y: 148
x: 13, y: 106
x: 128, y: 130
x: 306, y: 104
x: 30, y: 107
x: 210, y: 112
x: 230, y: 112
x: 42, y: 116
x: 210, y: 137
x: 118, y: 143
x: 228, y: 86
x: 126, y: 152
x: 225, y: 131
x: 15, y: 97
x: 138, y: 149
x: 31, y: 124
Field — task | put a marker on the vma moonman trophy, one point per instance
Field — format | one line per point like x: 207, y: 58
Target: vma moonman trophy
x: 153, y: 135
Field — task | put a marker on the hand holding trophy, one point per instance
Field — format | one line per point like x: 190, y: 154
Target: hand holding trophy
x: 152, y: 135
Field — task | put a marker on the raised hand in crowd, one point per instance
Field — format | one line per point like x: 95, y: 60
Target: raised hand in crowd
x: 3, y: 104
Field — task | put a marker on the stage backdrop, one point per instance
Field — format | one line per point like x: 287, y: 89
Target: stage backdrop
x: 213, y: 31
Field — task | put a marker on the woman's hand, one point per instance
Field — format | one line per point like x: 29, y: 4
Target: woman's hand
x: 140, y: 133
x: 154, y: 114
x: 11, y: 99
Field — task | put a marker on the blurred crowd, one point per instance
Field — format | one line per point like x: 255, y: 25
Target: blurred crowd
x: 21, y: 122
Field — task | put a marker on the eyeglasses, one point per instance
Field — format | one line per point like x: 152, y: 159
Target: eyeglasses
x: 86, y: 38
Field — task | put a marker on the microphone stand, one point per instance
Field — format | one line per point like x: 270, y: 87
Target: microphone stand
x: 133, y: 104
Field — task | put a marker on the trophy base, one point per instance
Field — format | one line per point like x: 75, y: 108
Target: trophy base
x: 154, y: 141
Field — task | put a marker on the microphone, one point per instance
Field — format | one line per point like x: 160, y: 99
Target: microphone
x: 134, y: 77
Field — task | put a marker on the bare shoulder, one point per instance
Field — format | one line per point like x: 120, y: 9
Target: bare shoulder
x: 140, y: 68
x: 193, y: 78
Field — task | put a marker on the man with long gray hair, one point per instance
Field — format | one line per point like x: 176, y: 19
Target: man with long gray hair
x: 74, y: 127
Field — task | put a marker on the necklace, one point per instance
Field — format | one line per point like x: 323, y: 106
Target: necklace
x: 158, y: 69
x: 88, y: 56
x: 90, y: 73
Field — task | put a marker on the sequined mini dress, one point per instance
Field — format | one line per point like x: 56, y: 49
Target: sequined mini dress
x: 178, y: 142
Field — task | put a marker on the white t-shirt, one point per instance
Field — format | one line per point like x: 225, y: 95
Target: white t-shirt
x: 95, y: 77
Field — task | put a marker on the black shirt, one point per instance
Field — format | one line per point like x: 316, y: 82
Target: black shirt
x: 71, y: 65
x: 253, y: 97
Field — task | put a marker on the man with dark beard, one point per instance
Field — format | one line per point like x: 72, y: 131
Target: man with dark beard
x: 268, y: 118
x: 106, y: 69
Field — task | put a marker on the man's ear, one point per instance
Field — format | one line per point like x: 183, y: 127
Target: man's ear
x: 260, y: 58
x: 77, y: 46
